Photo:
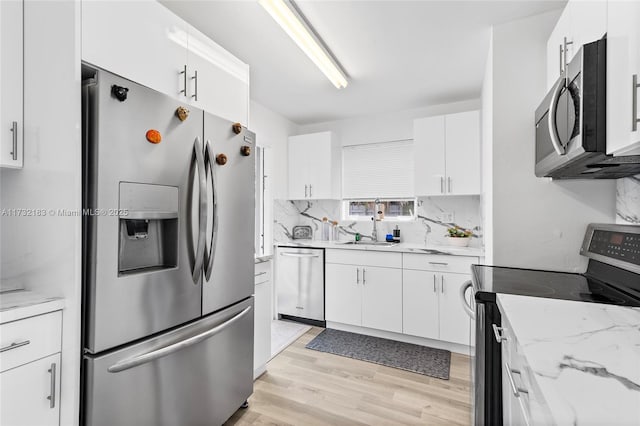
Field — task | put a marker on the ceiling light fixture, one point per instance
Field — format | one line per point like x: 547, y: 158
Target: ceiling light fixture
x: 287, y: 15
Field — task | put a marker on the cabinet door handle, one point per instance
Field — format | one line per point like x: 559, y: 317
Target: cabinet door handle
x: 184, y: 81
x: 449, y: 183
x: 442, y: 184
x: 52, y: 396
x: 305, y: 191
x: 15, y: 345
x: 442, y: 284
x: 497, y: 332
x: 634, y: 106
x: 310, y: 194
x: 364, y: 281
x: 14, y: 130
x: 357, y: 275
x: 514, y: 388
x: 564, y: 55
x: 195, y: 77
x: 435, y: 290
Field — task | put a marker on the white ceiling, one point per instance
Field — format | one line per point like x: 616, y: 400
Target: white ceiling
x: 397, y: 54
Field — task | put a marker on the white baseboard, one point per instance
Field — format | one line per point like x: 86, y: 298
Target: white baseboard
x: 257, y: 372
x: 438, y: 344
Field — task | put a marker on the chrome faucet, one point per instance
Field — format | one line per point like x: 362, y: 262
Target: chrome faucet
x: 374, y: 233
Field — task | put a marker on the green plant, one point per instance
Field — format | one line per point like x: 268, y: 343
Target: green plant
x: 458, y: 232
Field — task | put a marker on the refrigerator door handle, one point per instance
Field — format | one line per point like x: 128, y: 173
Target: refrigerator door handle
x: 210, y: 253
x: 202, y: 210
x: 168, y: 350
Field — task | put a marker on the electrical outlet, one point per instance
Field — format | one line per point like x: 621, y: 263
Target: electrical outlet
x: 448, y: 217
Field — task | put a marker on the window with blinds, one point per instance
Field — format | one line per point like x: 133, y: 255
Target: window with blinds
x: 378, y: 170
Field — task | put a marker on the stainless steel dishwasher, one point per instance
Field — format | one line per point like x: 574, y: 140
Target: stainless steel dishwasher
x: 300, y: 284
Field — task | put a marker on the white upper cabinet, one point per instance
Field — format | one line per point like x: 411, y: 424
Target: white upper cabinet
x: 221, y: 89
x: 623, y: 75
x: 314, y: 161
x: 140, y: 41
x: 447, y: 154
x: 11, y: 84
x: 147, y: 43
x: 581, y: 22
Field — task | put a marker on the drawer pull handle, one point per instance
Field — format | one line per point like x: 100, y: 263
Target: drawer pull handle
x: 438, y: 263
x: 497, y: 331
x: 52, y: 397
x: 515, y: 389
x: 14, y: 346
x: 260, y: 273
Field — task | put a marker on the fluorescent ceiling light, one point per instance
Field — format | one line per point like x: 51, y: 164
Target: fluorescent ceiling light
x: 293, y: 23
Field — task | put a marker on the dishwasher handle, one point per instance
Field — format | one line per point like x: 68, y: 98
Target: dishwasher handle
x: 289, y: 254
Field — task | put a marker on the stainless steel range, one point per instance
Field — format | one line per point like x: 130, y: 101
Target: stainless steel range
x: 612, y: 277
x: 168, y: 230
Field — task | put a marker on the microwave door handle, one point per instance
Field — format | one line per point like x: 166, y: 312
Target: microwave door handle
x: 210, y: 254
x: 202, y: 210
x: 553, y: 132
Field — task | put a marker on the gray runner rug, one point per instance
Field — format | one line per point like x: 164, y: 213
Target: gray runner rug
x: 405, y: 356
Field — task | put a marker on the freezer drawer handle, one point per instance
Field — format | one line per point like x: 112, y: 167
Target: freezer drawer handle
x: 202, y: 211
x: 289, y: 254
x: 466, y: 306
x: 209, y: 255
x: 168, y: 350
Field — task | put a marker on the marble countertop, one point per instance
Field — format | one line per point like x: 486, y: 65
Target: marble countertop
x: 263, y: 258
x: 18, y: 304
x: 400, y: 247
x: 585, y: 357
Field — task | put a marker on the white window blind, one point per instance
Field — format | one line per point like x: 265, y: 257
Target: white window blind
x: 383, y: 170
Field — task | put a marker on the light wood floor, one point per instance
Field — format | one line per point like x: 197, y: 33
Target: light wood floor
x: 306, y: 387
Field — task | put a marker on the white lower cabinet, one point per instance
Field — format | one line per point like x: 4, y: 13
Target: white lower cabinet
x: 30, y: 370
x: 30, y: 394
x: 363, y: 295
x: 262, y: 318
x: 432, y: 306
x: 412, y: 294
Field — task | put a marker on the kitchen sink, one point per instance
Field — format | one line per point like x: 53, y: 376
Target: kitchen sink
x: 371, y: 243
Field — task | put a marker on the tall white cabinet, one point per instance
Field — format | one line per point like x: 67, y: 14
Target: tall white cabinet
x: 147, y: 43
x: 314, y: 166
x: 623, y: 77
x: 11, y: 83
x: 447, y: 154
x: 581, y: 22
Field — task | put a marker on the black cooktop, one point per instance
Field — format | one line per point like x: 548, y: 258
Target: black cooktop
x: 600, y: 284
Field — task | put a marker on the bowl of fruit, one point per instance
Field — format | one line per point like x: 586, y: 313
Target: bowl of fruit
x: 459, y: 237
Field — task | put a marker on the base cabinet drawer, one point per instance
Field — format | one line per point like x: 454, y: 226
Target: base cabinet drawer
x: 30, y: 394
x: 29, y: 339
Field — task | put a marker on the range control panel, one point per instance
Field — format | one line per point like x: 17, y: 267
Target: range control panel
x: 624, y: 246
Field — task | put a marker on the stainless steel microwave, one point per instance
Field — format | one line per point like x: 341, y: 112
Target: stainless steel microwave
x: 570, y: 123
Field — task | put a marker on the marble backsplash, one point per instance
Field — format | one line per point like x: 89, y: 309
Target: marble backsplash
x: 429, y: 225
x: 628, y: 200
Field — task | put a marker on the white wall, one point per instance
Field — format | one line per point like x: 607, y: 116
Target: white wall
x: 385, y: 127
x: 44, y: 253
x: 272, y: 132
x: 486, y: 154
x: 537, y: 223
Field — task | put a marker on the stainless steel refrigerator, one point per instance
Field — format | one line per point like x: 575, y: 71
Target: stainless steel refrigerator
x: 168, y: 197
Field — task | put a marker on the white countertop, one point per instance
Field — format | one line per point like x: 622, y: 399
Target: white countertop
x: 585, y: 357
x: 18, y: 304
x: 400, y: 247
